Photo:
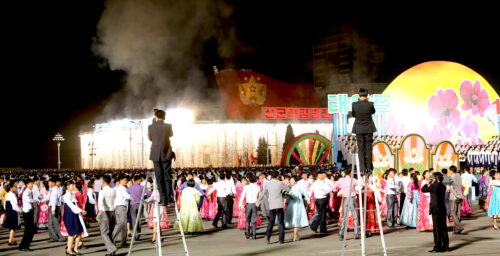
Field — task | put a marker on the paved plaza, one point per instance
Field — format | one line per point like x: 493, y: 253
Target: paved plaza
x: 478, y: 238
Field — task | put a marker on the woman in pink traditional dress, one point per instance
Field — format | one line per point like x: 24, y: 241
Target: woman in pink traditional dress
x: 152, y: 213
x: 424, y: 220
x: 181, y: 180
x: 466, y: 208
x: 43, y: 216
x: 383, y: 205
x: 211, y: 205
x: 371, y: 214
x: 239, y: 189
x: 241, y: 214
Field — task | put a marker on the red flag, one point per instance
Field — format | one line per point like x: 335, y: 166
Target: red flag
x: 244, y: 93
x: 252, y: 158
x: 239, y: 159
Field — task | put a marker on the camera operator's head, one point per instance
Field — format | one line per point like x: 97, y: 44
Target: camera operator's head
x: 363, y: 94
x: 159, y: 114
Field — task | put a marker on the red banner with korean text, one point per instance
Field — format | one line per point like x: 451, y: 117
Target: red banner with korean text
x: 245, y: 93
x: 281, y: 113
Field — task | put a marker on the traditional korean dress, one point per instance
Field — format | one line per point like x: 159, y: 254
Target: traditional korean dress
x: 494, y: 202
x: 295, y: 214
x: 12, y: 210
x: 424, y: 220
x: 409, y: 214
x: 43, y: 215
x: 72, y: 219
x: 189, y: 216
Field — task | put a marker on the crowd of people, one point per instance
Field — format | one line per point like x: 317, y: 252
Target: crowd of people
x: 66, y: 202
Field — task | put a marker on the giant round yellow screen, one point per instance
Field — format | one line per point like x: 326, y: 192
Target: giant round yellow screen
x: 443, y: 100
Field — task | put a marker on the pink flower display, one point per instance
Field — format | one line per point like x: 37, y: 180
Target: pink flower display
x: 469, y: 130
x: 435, y: 133
x: 474, y: 97
x: 443, y: 107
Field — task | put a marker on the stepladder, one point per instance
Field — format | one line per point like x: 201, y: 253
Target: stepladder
x: 364, y: 190
x: 158, y: 218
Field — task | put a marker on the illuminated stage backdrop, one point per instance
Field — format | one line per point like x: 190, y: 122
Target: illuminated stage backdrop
x: 440, y: 100
x: 124, y: 144
x: 444, y: 156
x: 413, y: 153
x: 382, y: 158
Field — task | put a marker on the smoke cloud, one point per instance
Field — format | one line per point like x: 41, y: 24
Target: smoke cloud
x: 159, y: 44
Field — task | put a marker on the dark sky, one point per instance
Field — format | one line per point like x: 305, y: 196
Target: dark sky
x: 52, y: 82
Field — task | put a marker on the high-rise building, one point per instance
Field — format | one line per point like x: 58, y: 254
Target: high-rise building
x: 344, y: 60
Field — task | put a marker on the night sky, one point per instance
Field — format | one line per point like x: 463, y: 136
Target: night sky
x: 53, y: 82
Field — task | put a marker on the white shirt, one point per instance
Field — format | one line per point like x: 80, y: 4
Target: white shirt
x: 321, y: 187
x: 12, y: 198
x: 70, y: 200
x: 27, y: 200
x: 305, y: 184
x: 405, y: 180
x: 98, y: 185
x: 54, y: 198
x: 468, y: 178
x: 90, y: 196
x: 36, y: 193
x: 391, y: 188
x: 106, y: 199
x: 250, y: 193
x: 122, y: 196
x: 223, y: 188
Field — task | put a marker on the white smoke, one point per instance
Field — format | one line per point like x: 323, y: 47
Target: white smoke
x: 159, y: 44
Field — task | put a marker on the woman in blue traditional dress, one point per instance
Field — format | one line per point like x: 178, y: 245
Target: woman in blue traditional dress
x: 409, y: 214
x: 73, y: 219
x: 295, y: 214
x: 494, y: 206
x: 12, y: 212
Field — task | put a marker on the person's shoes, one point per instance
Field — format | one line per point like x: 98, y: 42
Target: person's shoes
x: 433, y: 251
x: 341, y: 238
x: 268, y: 239
x: 356, y: 238
x: 124, y: 245
x: 282, y: 242
x: 224, y: 226
x: 52, y: 241
x: 458, y: 231
x: 77, y: 253
x: 129, y: 234
x: 215, y: 225
x: 25, y: 249
x: 247, y: 235
x: 254, y: 237
x: 12, y: 244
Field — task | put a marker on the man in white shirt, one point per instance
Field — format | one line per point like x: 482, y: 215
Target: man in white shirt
x: 321, y: 189
x: 468, y: 178
x: 36, y: 197
x: 403, y: 184
x: 98, y: 184
x: 392, y: 199
x: 250, y: 193
x: 121, y: 206
x: 29, y: 224
x: 230, y: 198
x: 106, y: 214
x: 223, y: 190
x: 55, y: 212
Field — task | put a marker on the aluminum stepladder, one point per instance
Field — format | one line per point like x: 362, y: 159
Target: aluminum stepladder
x: 157, y: 206
x: 362, y: 212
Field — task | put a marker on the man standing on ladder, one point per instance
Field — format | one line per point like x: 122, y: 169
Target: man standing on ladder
x: 159, y: 134
x: 363, y: 127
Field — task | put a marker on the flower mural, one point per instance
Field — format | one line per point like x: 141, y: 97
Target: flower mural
x: 444, y: 160
x: 468, y: 132
x: 443, y: 107
x: 474, y: 97
x: 414, y: 157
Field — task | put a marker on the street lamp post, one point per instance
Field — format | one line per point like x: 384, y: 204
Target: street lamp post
x: 58, y: 138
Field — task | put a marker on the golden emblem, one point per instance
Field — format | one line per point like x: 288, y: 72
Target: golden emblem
x: 252, y: 92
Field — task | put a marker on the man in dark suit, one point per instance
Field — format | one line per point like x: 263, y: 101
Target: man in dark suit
x: 364, y: 128
x: 438, y: 211
x: 159, y: 134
